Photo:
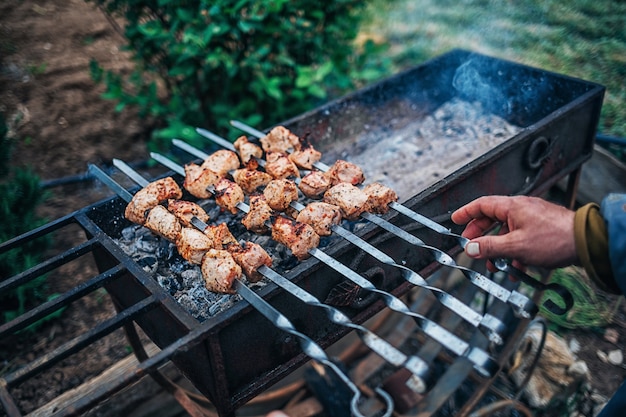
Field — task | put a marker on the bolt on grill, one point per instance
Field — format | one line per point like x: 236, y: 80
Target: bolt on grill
x: 557, y: 116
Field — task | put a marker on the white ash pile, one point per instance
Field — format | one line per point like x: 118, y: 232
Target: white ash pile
x: 418, y: 154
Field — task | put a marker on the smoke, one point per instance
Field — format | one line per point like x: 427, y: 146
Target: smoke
x: 472, y: 84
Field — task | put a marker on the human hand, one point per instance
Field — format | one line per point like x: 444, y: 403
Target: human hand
x: 533, y: 231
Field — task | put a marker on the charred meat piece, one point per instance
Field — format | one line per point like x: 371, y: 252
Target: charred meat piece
x: 149, y: 197
x: 278, y: 165
x: 344, y: 171
x: 228, y: 194
x: 280, y: 139
x: 185, y: 210
x: 163, y: 223
x: 350, y: 200
x: 250, y: 178
x: 247, y: 150
x: 221, y: 162
x: 298, y: 237
x: 193, y: 244
x: 379, y: 197
x: 305, y: 157
x: 321, y: 216
x: 259, y: 215
x: 220, y: 236
x: 314, y: 184
x: 280, y: 193
x: 219, y: 271
x: 198, y: 180
x: 250, y: 258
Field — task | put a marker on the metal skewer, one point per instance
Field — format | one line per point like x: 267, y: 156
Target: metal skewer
x: 413, y: 364
x: 522, y: 306
x: 310, y: 348
x: 492, y: 326
x: 484, y: 364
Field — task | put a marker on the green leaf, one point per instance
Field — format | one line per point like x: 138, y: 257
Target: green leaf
x: 317, y: 90
x: 273, y: 88
x: 185, y: 15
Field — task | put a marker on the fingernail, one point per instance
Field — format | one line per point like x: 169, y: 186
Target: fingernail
x: 472, y: 249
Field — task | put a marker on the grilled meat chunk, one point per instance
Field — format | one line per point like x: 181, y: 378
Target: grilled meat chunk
x: 219, y: 271
x: 379, y: 197
x: 221, y: 162
x: 298, y: 237
x: 247, y: 150
x: 305, y: 157
x: 150, y: 196
x: 260, y: 213
x: 163, y: 223
x: 185, y: 210
x: 193, y: 244
x: 321, y: 216
x: 250, y: 178
x: 350, y: 200
x: 250, y: 258
x: 220, y: 236
x: 280, y: 139
x: 280, y: 193
x: 278, y: 165
x: 228, y: 194
x: 314, y: 184
x: 344, y: 171
x: 198, y: 180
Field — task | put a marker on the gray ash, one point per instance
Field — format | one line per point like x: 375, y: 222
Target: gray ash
x: 183, y: 280
x: 416, y: 153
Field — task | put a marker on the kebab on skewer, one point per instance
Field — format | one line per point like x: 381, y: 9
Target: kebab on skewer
x: 522, y: 305
x: 482, y: 361
x: 352, y: 201
x: 303, y: 241
x: 215, y: 249
x: 376, y: 198
x: 413, y: 364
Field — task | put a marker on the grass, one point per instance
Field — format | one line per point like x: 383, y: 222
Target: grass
x: 580, y: 38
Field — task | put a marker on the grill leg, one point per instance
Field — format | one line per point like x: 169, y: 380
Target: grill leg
x: 572, y: 187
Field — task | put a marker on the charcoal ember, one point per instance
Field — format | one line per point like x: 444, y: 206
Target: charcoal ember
x: 169, y: 283
x: 129, y: 233
x: 191, y: 278
x: 149, y: 263
x: 191, y: 305
x: 178, y: 266
x: 147, y: 242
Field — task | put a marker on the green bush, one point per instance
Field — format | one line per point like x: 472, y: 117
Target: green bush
x: 203, y: 63
x: 20, y: 194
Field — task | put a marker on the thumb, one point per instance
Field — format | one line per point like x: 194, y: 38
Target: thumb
x: 485, y: 247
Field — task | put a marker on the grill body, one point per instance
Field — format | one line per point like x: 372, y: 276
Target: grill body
x: 237, y: 354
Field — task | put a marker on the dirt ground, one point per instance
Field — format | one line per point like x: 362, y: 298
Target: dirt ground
x: 61, y: 125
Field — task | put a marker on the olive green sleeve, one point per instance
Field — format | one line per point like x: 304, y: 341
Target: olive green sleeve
x: 592, y: 246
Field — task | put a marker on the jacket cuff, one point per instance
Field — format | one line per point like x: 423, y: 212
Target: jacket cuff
x: 592, y: 247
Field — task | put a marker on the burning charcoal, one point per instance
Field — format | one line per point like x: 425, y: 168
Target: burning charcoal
x: 189, y: 304
x: 147, y: 243
x: 148, y: 263
x: 221, y: 303
x: 170, y: 284
x: 192, y: 277
x: 128, y: 233
x: 178, y: 266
